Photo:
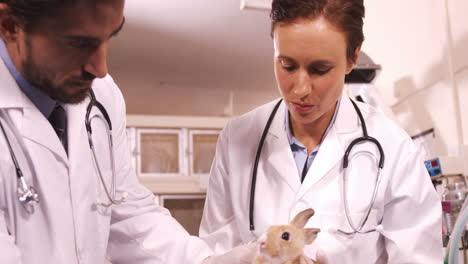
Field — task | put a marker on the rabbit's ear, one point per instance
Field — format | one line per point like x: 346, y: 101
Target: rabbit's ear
x: 310, y: 234
x: 301, y: 218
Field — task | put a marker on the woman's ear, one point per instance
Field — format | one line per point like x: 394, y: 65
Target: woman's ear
x: 8, y: 24
x: 352, y: 62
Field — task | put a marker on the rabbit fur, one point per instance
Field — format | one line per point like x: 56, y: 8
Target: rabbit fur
x: 283, y: 244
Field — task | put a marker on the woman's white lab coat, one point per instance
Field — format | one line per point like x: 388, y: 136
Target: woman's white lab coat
x: 407, y: 206
x: 67, y: 226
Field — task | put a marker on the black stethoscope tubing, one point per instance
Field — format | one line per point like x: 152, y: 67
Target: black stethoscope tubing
x: 26, y: 193
x: 102, y: 109
x: 111, y: 194
x: 257, y: 159
x: 19, y: 173
x: 365, y: 137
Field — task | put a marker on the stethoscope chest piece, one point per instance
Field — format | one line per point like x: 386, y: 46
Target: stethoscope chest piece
x: 27, y: 195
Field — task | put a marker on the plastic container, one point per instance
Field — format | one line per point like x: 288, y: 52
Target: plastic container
x: 452, y: 201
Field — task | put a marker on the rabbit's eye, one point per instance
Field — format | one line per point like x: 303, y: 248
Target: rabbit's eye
x: 285, y: 236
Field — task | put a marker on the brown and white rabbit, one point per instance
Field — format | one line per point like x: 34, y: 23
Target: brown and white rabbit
x: 283, y: 244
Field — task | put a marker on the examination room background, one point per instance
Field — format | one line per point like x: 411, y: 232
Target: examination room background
x: 190, y: 65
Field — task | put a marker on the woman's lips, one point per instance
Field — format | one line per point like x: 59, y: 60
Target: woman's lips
x: 303, y: 107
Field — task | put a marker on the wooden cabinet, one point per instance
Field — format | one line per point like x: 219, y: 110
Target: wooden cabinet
x: 161, y: 152
x: 186, y: 209
x: 172, y: 157
x: 173, y: 146
x: 202, y: 148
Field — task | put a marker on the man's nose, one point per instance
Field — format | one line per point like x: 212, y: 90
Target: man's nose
x: 97, y: 61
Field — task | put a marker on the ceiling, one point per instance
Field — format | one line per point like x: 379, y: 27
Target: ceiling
x: 193, y: 57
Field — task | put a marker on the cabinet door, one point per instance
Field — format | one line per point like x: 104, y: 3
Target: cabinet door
x: 132, y: 145
x: 186, y: 209
x: 202, y: 149
x: 160, y: 152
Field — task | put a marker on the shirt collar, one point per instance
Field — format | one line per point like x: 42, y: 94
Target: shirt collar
x: 293, y: 142
x: 43, y: 102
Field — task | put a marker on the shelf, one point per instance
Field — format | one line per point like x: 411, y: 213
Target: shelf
x: 173, y: 185
x: 205, y: 122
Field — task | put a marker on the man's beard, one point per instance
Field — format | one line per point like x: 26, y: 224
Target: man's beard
x: 41, y: 78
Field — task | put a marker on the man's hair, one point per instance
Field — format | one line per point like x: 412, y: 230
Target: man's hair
x: 346, y: 15
x: 28, y: 13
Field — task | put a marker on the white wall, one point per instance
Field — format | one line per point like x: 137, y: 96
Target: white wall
x: 421, y: 46
x: 185, y: 57
x: 459, y: 34
x: 194, y: 53
x: 462, y: 84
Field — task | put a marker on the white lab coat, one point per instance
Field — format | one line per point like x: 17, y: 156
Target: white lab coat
x: 66, y: 226
x: 407, y: 205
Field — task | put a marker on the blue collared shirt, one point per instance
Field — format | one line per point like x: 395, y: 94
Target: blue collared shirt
x: 299, y: 150
x: 43, y: 102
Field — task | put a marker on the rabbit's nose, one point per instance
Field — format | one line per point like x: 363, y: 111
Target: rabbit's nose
x: 262, y: 244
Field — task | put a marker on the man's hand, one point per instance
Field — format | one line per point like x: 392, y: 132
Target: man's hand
x: 243, y: 254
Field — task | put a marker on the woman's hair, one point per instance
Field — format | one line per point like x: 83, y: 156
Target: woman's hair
x: 346, y: 15
x: 29, y: 13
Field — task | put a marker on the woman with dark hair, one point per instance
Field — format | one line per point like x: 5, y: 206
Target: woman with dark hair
x: 373, y: 199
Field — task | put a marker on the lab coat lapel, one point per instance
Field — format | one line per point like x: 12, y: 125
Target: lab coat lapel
x: 38, y: 129
x: 332, y: 149
x: 277, y: 151
x: 32, y: 125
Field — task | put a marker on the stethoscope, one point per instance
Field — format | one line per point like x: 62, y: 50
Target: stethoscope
x: 27, y: 195
x: 365, y: 137
x: 111, y: 195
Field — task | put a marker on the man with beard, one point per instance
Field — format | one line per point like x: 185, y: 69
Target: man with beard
x: 57, y: 204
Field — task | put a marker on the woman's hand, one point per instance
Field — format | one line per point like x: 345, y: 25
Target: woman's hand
x: 321, y: 258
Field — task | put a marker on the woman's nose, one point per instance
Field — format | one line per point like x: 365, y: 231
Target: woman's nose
x: 303, y: 84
